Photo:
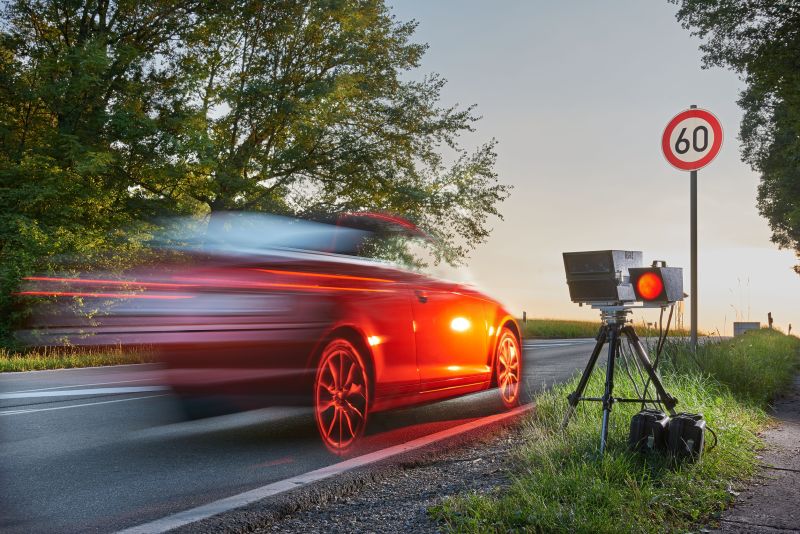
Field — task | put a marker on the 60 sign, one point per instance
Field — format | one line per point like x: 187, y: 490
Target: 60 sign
x: 682, y: 145
x: 692, y: 139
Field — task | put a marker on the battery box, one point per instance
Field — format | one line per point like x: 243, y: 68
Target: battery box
x: 686, y: 435
x: 648, y: 431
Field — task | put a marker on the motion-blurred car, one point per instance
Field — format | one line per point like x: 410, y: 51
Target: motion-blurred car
x: 281, y: 313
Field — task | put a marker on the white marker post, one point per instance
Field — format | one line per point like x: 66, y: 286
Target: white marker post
x: 690, y: 141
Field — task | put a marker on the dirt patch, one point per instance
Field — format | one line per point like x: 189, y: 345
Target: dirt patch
x: 772, y: 503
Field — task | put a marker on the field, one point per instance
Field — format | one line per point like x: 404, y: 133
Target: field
x: 561, y: 329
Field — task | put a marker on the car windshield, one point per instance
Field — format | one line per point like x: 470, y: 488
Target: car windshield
x: 253, y: 233
x: 366, y: 235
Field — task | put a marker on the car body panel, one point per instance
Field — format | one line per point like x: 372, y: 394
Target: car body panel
x: 250, y: 328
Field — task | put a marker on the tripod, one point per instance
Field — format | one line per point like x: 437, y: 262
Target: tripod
x: 614, y: 327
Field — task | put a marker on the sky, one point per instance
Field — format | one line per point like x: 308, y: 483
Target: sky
x: 578, y: 94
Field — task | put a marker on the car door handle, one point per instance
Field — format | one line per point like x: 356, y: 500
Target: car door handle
x: 422, y: 296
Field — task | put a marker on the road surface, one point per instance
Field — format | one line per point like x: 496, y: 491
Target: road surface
x: 101, y: 449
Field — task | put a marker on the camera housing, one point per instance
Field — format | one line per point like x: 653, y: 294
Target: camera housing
x: 601, y: 276
x: 618, y: 277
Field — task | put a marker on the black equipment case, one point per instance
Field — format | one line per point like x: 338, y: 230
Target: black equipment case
x: 687, y: 435
x: 648, y: 431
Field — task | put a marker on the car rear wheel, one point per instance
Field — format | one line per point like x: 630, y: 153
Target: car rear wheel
x: 508, y: 368
x: 341, y: 396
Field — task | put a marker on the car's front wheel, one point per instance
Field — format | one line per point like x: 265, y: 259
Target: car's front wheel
x: 508, y: 368
x: 341, y: 395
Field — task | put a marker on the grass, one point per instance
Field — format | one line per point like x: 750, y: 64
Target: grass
x: 560, y: 484
x: 756, y: 366
x: 562, y: 329
x: 67, y: 357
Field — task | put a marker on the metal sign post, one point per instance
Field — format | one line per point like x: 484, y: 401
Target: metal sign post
x: 693, y: 260
x: 690, y: 141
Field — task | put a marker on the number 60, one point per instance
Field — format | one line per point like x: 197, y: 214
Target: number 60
x: 682, y: 145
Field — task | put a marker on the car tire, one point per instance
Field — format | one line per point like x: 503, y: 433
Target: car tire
x: 508, y: 368
x: 341, y: 396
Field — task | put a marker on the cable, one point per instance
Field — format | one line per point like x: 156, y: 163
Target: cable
x: 662, y: 338
x: 716, y: 440
x: 625, y: 357
x: 627, y: 351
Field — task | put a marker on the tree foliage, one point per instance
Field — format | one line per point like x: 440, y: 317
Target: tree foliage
x: 73, y: 78
x: 760, y: 39
x: 303, y: 108
x: 114, y: 113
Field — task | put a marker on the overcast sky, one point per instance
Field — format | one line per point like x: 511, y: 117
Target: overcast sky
x: 578, y: 93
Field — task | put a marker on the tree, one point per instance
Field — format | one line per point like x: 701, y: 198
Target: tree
x: 760, y: 39
x: 113, y: 113
x: 73, y: 75
x: 305, y: 108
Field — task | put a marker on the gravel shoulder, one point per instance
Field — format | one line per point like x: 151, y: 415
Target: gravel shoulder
x: 391, y: 497
x: 772, y: 503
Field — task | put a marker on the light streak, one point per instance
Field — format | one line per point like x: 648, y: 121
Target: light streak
x: 101, y: 295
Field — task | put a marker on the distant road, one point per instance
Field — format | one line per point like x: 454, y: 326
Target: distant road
x: 101, y: 449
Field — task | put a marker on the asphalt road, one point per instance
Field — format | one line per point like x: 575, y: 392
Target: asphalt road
x: 101, y: 449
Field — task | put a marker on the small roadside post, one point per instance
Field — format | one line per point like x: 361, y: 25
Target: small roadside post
x: 690, y: 141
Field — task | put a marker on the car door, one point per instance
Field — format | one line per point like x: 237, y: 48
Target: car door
x: 450, y: 335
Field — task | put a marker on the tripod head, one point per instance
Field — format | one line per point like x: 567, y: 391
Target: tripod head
x: 610, y: 315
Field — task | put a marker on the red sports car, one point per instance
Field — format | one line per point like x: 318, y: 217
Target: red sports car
x: 283, y: 313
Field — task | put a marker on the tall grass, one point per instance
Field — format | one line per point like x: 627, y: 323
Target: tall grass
x: 67, y: 357
x: 755, y: 366
x: 561, y: 484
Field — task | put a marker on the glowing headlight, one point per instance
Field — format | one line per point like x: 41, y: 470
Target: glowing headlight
x: 460, y: 324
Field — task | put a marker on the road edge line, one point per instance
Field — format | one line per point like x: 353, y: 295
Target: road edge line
x: 206, y: 511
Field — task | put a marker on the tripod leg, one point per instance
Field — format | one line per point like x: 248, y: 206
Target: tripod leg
x: 608, y: 401
x: 668, y: 400
x: 587, y: 372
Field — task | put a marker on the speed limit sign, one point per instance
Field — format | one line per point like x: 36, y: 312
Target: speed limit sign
x: 692, y: 139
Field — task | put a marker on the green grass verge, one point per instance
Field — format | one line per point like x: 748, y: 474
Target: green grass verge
x: 560, y: 484
x: 756, y: 366
x: 64, y: 358
x: 563, y: 329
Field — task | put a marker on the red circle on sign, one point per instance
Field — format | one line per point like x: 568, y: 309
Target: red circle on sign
x: 716, y: 127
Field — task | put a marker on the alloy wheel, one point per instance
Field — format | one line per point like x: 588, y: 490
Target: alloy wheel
x: 341, y: 396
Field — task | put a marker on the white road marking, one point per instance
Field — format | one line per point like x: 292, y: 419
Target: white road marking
x: 83, y: 385
x: 34, y: 410
x: 81, y: 392
x: 243, y: 499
